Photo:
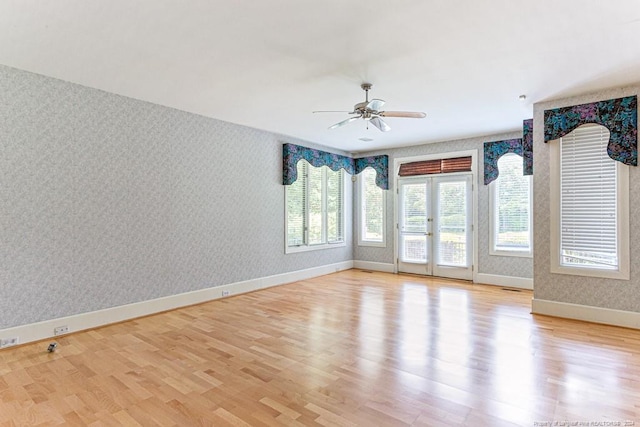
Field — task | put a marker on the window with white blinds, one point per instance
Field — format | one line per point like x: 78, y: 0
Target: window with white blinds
x: 592, y: 207
x: 296, y: 196
x: 316, y: 196
x: 334, y: 203
x: 314, y: 208
x: 510, y: 201
x: 372, y: 210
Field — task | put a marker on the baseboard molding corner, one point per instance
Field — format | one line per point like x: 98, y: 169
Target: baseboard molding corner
x: 507, y: 281
x: 79, y: 322
x: 606, y: 316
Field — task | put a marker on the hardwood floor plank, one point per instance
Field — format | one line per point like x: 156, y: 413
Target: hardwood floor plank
x: 125, y: 419
x: 280, y: 408
x: 351, y: 348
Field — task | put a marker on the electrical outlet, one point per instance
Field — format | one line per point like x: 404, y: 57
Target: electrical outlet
x: 225, y: 293
x: 8, y: 342
x: 61, y: 330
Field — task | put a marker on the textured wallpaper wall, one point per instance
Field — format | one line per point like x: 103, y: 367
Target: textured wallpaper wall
x: 488, y: 264
x: 106, y: 200
x: 605, y: 293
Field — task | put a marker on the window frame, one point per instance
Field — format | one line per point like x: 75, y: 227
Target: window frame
x: 622, y: 226
x: 361, y: 207
x: 493, y: 217
x: 325, y: 244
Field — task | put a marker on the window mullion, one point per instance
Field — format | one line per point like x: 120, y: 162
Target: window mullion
x: 306, y: 203
x: 325, y: 220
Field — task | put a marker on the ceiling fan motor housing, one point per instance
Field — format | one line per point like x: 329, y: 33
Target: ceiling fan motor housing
x: 370, y: 111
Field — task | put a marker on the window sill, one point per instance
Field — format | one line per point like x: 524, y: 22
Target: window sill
x: 372, y: 244
x: 514, y: 253
x: 307, y: 248
x: 619, y: 274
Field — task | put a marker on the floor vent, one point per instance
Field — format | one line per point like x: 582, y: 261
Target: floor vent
x: 511, y: 289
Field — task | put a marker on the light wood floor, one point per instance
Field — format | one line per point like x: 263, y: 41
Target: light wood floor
x: 351, y: 348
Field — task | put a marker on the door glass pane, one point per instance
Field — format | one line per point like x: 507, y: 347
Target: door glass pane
x: 414, y: 200
x: 452, y: 219
x: 414, y: 249
x: 413, y: 224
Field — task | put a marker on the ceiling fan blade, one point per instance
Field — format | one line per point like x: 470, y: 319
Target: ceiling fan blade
x: 332, y: 111
x: 344, y: 122
x: 375, y: 104
x: 409, y: 114
x: 380, y: 124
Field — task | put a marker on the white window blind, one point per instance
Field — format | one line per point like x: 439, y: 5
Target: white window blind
x: 296, y: 209
x: 335, y: 185
x: 372, y: 206
x: 588, y: 205
x: 511, y: 207
x: 315, y: 208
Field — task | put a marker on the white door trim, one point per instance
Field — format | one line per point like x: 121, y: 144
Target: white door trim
x: 474, y: 197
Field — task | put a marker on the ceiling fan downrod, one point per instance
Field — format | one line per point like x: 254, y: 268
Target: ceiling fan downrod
x: 366, y: 87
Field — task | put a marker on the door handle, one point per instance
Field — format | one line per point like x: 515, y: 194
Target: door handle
x: 428, y: 234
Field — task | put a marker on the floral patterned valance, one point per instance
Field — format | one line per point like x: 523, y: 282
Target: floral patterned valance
x: 619, y: 115
x: 527, y: 147
x: 292, y: 153
x: 492, y: 153
x: 380, y: 164
x: 496, y: 149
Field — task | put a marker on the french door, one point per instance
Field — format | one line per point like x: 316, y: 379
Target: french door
x: 435, y: 225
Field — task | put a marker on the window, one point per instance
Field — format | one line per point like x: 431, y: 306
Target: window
x: 510, y: 206
x: 372, y: 210
x: 590, y: 208
x: 315, y: 208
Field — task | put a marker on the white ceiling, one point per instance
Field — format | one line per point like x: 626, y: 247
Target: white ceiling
x: 269, y: 63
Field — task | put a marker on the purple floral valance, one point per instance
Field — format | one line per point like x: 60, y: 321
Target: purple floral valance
x: 492, y: 153
x: 380, y: 164
x: 527, y: 147
x: 292, y: 153
x: 619, y: 115
x: 496, y: 149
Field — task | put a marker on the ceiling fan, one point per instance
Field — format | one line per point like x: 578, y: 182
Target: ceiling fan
x: 370, y: 111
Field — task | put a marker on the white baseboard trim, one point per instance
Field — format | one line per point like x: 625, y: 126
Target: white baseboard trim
x: 44, y: 330
x: 607, y: 316
x: 374, y: 266
x: 508, y: 281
